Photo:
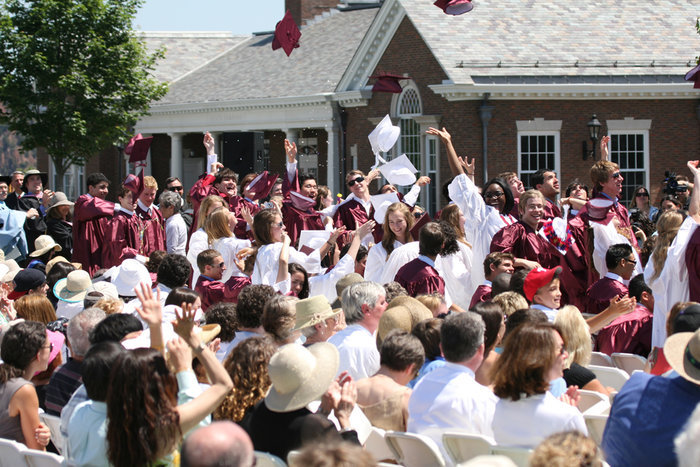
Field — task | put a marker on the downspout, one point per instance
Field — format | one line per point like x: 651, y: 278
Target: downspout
x: 343, y: 154
x: 485, y: 111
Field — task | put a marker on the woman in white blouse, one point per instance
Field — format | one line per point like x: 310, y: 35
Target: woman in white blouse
x: 533, y: 356
x: 398, y: 221
x: 198, y: 241
x: 269, y: 232
x: 456, y: 263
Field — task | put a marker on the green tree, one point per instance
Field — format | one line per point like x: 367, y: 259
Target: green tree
x: 74, y: 75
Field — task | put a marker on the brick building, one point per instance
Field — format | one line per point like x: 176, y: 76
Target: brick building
x: 514, y: 81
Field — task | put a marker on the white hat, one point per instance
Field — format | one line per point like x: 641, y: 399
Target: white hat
x: 73, y: 288
x: 128, y: 276
x: 105, y: 288
x: 384, y: 136
x: 44, y: 243
x: 399, y: 171
x: 381, y: 203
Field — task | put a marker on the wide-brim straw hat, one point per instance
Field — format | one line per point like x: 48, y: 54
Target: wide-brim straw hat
x: 74, y: 287
x: 59, y: 199
x: 43, y: 244
x: 13, y: 269
x: 300, y: 375
x: 403, y: 314
x: 312, y: 311
x: 129, y: 275
x: 682, y: 352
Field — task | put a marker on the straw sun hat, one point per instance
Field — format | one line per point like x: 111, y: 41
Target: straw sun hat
x: 300, y: 375
x: 682, y: 351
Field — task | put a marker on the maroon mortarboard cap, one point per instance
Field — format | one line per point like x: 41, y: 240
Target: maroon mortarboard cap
x: 287, y: 34
x: 387, y: 82
x: 301, y: 202
x: 422, y: 220
x: 454, y: 7
x: 599, y: 210
x: 138, y: 148
x: 261, y: 186
x: 538, y: 278
x: 694, y: 75
x: 134, y: 183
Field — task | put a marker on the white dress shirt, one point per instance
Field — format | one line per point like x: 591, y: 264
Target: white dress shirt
x: 450, y: 399
x: 358, y: 351
x: 176, y: 234
x: 376, y: 260
x: 528, y: 421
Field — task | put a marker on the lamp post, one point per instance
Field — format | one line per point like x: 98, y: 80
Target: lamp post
x: 593, y: 132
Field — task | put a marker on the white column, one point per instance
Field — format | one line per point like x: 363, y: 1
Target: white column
x: 332, y: 172
x: 217, y: 144
x: 176, y: 155
x: 291, y: 134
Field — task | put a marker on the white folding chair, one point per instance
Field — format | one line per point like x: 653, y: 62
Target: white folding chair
x: 412, y: 450
x: 593, y: 402
x: 601, y: 359
x: 596, y: 426
x: 628, y: 362
x: 520, y: 456
x: 610, y: 377
x: 54, y: 424
x: 12, y: 453
x: 42, y: 459
x: 265, y: 459
x: 377, y: 445
x: 463, y: 446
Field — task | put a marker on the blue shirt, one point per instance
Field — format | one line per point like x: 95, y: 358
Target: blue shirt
x: 646, y: 416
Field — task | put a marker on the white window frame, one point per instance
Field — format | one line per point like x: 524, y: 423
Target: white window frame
x: 539, y: 127
x: 630, y: 126
x: 78, y: 171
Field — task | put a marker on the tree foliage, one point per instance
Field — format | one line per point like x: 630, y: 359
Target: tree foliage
x: 74, y: 76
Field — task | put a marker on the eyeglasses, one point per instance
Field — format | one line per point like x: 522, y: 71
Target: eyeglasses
x: 633, y: 261
x: 493, y: 194
x: 357, y: 180
x: 176, y: 188
x: 221, y: 264
x: 616, y: 175
x: 50, y: 347
x: 642, y: 194
x: 279, y: 224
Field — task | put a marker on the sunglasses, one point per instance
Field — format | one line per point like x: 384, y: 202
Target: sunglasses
x: 221, y: 264
x: 493, y: 194
x: 279, y: 224
x: 633, y: 261
x: 357, y: 180
x: 644, y: 195
x: 616, y: 175
x: 176, y: 188
x: 50, y: 347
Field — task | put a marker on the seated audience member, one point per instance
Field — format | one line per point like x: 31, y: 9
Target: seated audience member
x: 533, y: 355
x: 336, y: 455
x: 35, y: 308
x: 384, y: 397
x: 173, y: 271
x: 29, y: 282
x: 577, y: 336
x: 631, y: 332
x: 522, y: 316
x: 402, y: 313
x: 568, y: 448
x: 393, y: 289
x: 510, y: 302
x: 281, y: 422
x: 449, y: 398
x: 54, y: 273
x: 116, y: 328
x: 687, y: 442
x: 247, y: 365
x: 435, y: 302
x: 649, y: 411
x: 221, y: 443
x: 25, y: 351
x: 419, y: 276
x: 541, y: 288
x: 316, y: 319
x: 683, y: 317
x: 494, y: 264
x: 209, y: 286
x: 68, y: 377
x: 495, y: 330
x: 223, y: 314
x: 249, y: 311
x: 500, y: 283
x: 86, y: 443
x: 428, y: 333
x: 363, y: 306
x: 620, y: 261
x: 279, y: 319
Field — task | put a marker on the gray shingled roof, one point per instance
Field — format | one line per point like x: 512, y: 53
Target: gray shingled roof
x: 558, y: 34
x: 186, y: 51
x: 253, y: 70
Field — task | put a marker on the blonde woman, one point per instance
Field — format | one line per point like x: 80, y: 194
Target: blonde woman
x: 398, y: 221
x: 219, y: 229
x: 577, y: 338
x: 198, y: 240
x: 456, y: 260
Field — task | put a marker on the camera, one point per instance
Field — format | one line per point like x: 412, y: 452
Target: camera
x: 671, y: 184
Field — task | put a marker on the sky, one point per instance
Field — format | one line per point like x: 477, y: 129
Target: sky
x: 237, y: 16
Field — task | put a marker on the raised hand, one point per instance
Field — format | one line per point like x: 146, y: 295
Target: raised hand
x: 694, y: 168
x: 335, y: 234
x: 209, y: 143
x: 422, y: 181
x: 468, y: 167
x: 290, y: 150
x: 245, y: 212
x: 184, y: 322
x: 622, y: 305
x: 365, y: 229
x: 443, y: 134
x: 373, y: 174
x: 179, y: 355
x: 151, y: 310
x: 604, y: 151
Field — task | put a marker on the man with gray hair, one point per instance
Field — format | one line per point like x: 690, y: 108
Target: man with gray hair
x: 68, y: 377
x: 449, y: 398
x: 363, y: 305
x: 175, y: 226
x: 219, y: 444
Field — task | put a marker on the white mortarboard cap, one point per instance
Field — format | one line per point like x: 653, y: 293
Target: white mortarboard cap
x: 399, y: 171
x: 381, y: 203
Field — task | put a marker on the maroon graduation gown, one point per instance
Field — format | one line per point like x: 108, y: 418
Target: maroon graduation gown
x: 420, y: 278
x: 211, y: 291
x: 90, y: 218
x: 620, y: 212
x: 236, y: 205
x: 482, y: 294
x: 352, y: 215
x: 201, y: 189
x: 629, y: 333
x: 692, y: 262
x: 295, y: 220
x: 121, y: 239
x: 151, y: 230
x: 551, y: 210
x: 602, y: 292
x: 234, y: 286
